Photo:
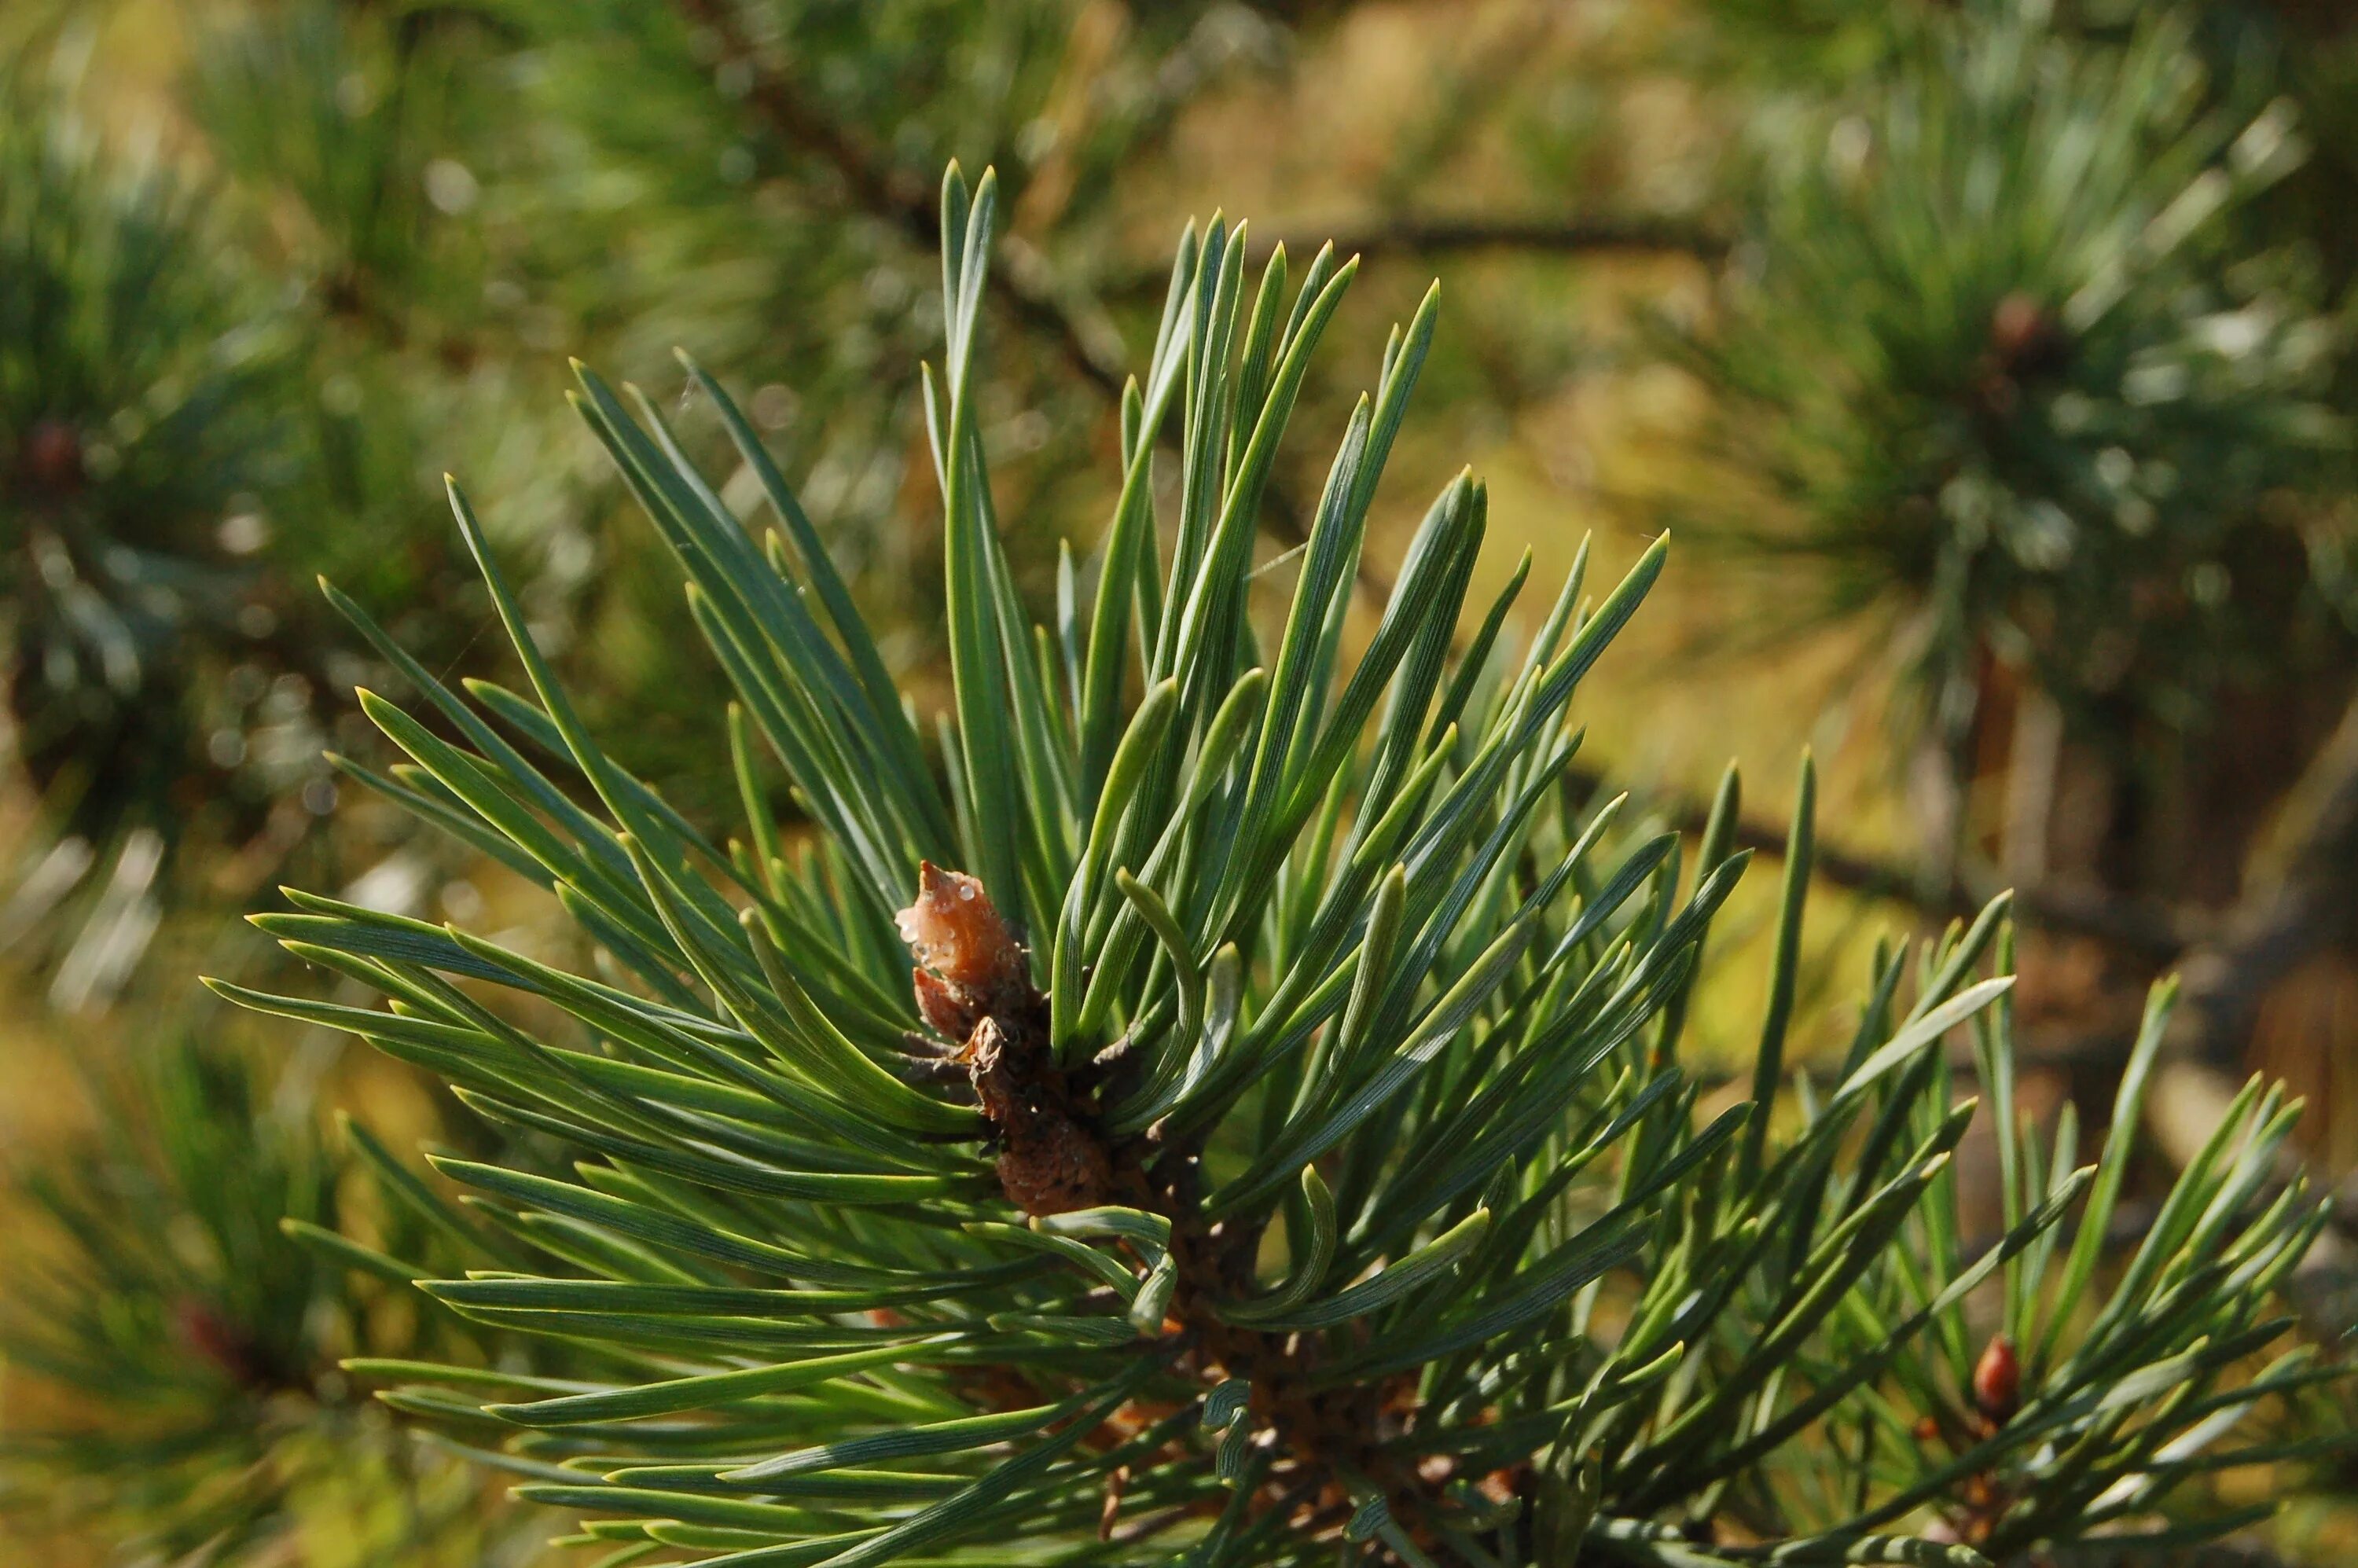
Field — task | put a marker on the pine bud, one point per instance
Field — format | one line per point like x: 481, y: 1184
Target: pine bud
x: 958, y: 933
x: 2020, y: 329
x: 53, y: 457
x: 220, y: 1341
x: 1997, y: 1381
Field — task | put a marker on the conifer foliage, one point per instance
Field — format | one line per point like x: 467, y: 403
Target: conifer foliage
x: 1212, y: 1097
x: 2016, y: 363
x: 132, y: 418
x: 181, y: 1292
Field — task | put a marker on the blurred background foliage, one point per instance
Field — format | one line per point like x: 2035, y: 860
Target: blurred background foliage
x: 1993, y: 358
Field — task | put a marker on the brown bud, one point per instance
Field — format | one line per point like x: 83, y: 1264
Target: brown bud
x: 942, y: 1005
x: 1053, y: 1166
x: 1997, y: 1382
x: 2019, y: 328
x: 955, y: 930
x: 219, y: 1341
x: 52, y: 454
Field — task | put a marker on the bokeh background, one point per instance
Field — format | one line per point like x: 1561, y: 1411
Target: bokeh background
x: 1990, y: 359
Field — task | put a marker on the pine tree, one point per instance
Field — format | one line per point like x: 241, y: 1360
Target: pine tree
x: 134, y: 415
x: 2016, y: 375
x: 1281, y: 1145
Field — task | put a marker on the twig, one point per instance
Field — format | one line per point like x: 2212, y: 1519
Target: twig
x: 1413, y: 235
x: 1085, y: 342
x: 1417, y: 238
x: 2136, y: 929
x: 1081, y: 334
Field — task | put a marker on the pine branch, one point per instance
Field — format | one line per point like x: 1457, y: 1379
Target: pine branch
x: 198, y: 1401
x: 1319, y: 1068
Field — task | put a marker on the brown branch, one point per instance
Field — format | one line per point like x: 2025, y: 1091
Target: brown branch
x: 2136, y: 929
x: 1079, y: 331
x: 1081, y: 335
x: 1414, y: 235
